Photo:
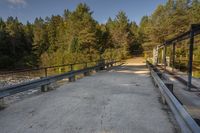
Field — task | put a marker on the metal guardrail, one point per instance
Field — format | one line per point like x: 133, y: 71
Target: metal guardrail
x: 183, y: 118
x: 48, y: 67
x: 178, y: 77
x: 194, y: 31
x: 14, y: 89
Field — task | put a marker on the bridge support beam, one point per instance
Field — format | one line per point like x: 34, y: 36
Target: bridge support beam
x: 173, y: 56
x: 164, y: 56
x: 155, y: 56
x: 190, y: 59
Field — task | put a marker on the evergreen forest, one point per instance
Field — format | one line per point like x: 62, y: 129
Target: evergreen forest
x: 75, y: 36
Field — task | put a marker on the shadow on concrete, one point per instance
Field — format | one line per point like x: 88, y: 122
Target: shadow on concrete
x: 131, y: 69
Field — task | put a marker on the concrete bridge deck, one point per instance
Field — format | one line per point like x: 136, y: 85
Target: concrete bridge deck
x: 121, y: 100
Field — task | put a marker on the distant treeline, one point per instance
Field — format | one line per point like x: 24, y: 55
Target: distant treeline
x: 73, y: 37
x: 76, y: 36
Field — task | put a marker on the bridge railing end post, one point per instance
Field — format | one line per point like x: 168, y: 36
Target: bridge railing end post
x: 72, y: 79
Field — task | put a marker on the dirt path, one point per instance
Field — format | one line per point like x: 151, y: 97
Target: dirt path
x: 122, y: 100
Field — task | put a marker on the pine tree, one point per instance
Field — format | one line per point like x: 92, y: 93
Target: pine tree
x: 119, y: 29
x: 40, y: 39
x: 82, y: 27
x: 5, y: 47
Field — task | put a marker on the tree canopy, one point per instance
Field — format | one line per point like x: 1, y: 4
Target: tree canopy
x: 73, y: 37
x: 169, y: 20
x: 76, y: 36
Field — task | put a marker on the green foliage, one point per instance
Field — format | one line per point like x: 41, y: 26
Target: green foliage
x: 77, y: 37
x: 168, y: 21
x: 73, y: 37
x: 15, y: 43
x: 124, y: 35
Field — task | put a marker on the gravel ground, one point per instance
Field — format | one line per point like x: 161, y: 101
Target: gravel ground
x: 7, y: 81
x: 122, y: 100
x: 4, y: 82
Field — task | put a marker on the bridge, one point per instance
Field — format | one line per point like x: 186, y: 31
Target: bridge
x: 120, y: 99
x: 106, y: 96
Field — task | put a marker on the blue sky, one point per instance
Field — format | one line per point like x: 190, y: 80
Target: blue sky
x: 28, y: 10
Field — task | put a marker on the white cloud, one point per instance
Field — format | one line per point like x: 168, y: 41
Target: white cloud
x: 17, y: 2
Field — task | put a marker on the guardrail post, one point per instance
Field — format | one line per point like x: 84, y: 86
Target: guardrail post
x: 45, y: 70
x: 2, y: 103
x: 71, y: 67
x: 102, y: 64
x: 45, y: 88
x: 107, y: 65
x: 72, y: 78
x: 98, y: 67
x: 163, y: 99
x: 87, y: 73
x: 111, y: 64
